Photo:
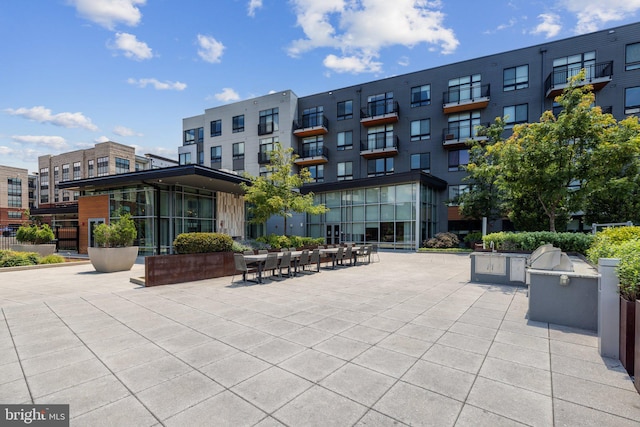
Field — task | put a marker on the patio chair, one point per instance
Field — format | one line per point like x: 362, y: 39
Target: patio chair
x: 347, y: 256
x: 271, y: 265
x: 338, y: 258
x: 314, y: 259
x: 303, y: 261
x: 285, y: 262
x: 364, y: 254
x: 248, y: 253
x: 374, y: 252
x: 262, y: 251
x: 241, y: 267
x: 292, y: 249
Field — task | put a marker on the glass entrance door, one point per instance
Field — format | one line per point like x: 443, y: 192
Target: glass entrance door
x: 333, y: 234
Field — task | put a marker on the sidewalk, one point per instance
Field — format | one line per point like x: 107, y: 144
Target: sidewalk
x: 407, y: 340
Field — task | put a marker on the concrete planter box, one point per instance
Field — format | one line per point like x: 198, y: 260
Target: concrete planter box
x: 108, y: 260
x: 627, y: 334
x: 169, y: 269
x: 42, y: 250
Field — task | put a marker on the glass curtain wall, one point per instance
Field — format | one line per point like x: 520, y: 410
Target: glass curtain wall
x: 384, y: 215
x: 182, y: 210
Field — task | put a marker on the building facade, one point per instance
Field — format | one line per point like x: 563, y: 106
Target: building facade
x: 14, y: 198
x: 388, y: 156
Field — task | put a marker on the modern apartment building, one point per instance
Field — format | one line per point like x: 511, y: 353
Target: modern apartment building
x: 14, y: 197
x: 388, y: 156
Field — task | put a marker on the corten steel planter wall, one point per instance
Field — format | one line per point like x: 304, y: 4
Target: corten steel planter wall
x: 627, y: 334
x: 637, y: 353
x: 169, y: 269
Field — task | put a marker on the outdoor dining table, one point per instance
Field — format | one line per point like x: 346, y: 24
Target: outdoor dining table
x: 333, y: 253
x: 259, y: 260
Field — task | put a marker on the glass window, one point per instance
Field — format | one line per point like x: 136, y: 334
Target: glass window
x: 454, y: 193
x: 56, y: 174
x: 185, y: 158
x: 515, y: 78
x: 421, y: 161
x: 313, y: 146
x: 420, y: 95
x: 380, y: 104
x: 238, y: 123
x: 122, y: 165
x: 514, y: 114
x: 568, y: 66
x: 103, y: 166
x: 65, y: 172
x: 632, y: 57
x: 345, y: 110
x: 312, y: 117
x: 90, y: 165
x: 238, y: 150
x: 76, y: 170
x: 464, y: 88
x: 268, y: 121
x: 317, y: 173
x: 632, y: 100
x: 216, y: 128
x: 380, y: 137
x: 345, y: 140
x: 458, y: 159
x: 345, y: 171
x: 420, y: 129
x: 462, y: 126
x: 216, y: 154
x: 377, y: 167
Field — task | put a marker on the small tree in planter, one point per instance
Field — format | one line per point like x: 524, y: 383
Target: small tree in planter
x: 34, y: 238
x: 115, y: 251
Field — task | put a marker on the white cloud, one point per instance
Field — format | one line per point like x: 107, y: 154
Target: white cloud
x: 125, y: 131
x: 132, y: 47
x: 102, y: 139
x: 157, y: 84
x: 43, y: 115
x: 227, y: 95
x: 550, y: 25
x: 108, y: 13
x: 594, y: 14
x: 53, y: 142
x: 210, y: 49
x: 361, y: 29
x: 404, y: 61
x: 253, y: 5
x: 352, y: 64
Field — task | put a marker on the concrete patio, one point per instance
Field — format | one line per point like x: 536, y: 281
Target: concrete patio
x: 407, y: 340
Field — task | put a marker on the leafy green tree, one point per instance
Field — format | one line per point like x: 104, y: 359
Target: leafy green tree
x: 483, y: 198
x: 278, y: 193
x: 550, y: 161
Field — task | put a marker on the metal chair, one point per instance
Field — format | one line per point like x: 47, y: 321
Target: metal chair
x: 285, y: 262
x: 247, y: 253
x: 241, y: 266
x: 262, y: 251
x: 314, y: 259
x: 271, y: 264
x: 364, y: 254
x: 292, y: 249
x: 338, y: 258
x: 374, y: 252
x: 347, y: 256
x: 303, y: 261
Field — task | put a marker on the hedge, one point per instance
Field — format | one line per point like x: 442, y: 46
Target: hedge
x: 276, y: 241
x: 530, y: 241
x: 198, y: 243
x: 15, y: 259
x: 606, y: 241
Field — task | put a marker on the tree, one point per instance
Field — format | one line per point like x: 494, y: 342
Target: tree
x: 483, y: 198
x: 278, y: 193
x: 550, y: 161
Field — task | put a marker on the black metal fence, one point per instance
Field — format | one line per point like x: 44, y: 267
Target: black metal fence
x: 66, y: 239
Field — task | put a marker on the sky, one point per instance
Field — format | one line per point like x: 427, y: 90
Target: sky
x: 78, y: 72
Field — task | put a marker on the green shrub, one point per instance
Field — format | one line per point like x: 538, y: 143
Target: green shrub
x: 238, y: 247
x: 34, y: 234
x: 606, y: 241
x: 276, y: 241
x: 15, y: 259
x: 198, y: 243
x: 119, y: 233
x: 51, y: 259
x: 530, y: 241
x: 442, y: 240
x: 629, y: 269
x: 473, y: 238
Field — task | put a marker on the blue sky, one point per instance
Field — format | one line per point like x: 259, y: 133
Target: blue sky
x: 77, y: 72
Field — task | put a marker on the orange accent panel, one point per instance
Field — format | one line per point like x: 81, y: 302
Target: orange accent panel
x: 465, y: 107
x: 453, y: 213
x: 90, y: 207
x: 379, y: 120
x: 318, y: 130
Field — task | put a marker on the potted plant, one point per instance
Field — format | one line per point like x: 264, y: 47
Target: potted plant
x: 35, y: 238
x: 115, y: 250
x: 628, y: 271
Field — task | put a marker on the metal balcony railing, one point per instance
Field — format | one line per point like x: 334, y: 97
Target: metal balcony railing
x: 465, y: 94
x: 379, y: 142
x: 265, y: 128
x: 264, y: 157
x: 379, y: 108
x: 461, y: 132
x: 314, y: 152
x: 561, y: 75
x: 311, y: 121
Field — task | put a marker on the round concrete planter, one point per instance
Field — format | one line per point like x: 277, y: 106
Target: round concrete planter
x: 42, y: 250
x: 108, y: 260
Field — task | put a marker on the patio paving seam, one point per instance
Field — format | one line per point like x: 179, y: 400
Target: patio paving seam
x: 15, y: 349
x: 102, y: 362
x: 596, y: 409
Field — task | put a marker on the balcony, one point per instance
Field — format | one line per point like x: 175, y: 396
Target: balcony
x: 379, y: 113
x: 467, y: 98
x: 311, y: 125
x: 457, y: 137
x: 315, y: 156
x: 597, y: 75
x: 383, y: 146
x: 266, y: 128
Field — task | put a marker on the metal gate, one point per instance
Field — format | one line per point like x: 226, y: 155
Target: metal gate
x: 67, y: 238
